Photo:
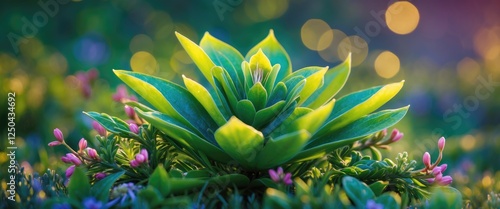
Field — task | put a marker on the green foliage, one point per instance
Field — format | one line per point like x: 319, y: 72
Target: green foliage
x: 256, y: 106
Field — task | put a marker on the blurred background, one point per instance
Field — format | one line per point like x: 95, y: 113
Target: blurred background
x: 58, y: 56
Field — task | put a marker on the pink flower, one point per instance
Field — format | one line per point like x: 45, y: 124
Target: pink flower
x: 130, y: 112
x: 396, y: 135
x: 445, y: 180
x: 437, y: 170
x: 71, y: 158
x: 54, y: 143
x: 139, y: 158
x: 288, y: 179
x: 427, y: 159
x: 134, y: 163
x: 59, y: 135
x: 279, y: 176
x: 82, y: 144
x: 98, y: 127
x: 144, y: 153
x: 441, y: 143
x: 122, y: 94
x: 443, y: 167
x: 70, y: 171
x: 92, y: 153
x: 133, y: 127
x: 100, y: 176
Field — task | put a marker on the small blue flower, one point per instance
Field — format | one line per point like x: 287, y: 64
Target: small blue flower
x: 91, y: 203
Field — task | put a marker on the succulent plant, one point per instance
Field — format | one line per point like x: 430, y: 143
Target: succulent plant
x: 255, y: 110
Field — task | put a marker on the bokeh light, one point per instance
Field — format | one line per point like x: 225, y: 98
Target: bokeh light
x: 330, y: 53
x: 402, y: 17
x: 387, y: 64
x: 355, y: 45
x: 141, y: 42
x: 468, y: 69
x: 316, y: 34
x: 144, y: 62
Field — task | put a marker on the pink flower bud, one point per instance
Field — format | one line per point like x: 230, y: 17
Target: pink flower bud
x: 54, y: 143
x: 443, y: 167
x: 65, y: 159
x: 139, y: 158
x: 280, y: 171
x: 145, y: 154
x: 92, y: 153
x: 438, y: 177
x: 121, y: 93
x: 441, y: 143
x: 70, y: 171
x: 130, y: 112
x: 288, y: 179
x: 274, y: 175
x: 133, y: 127
x: 427, y: 159
x: 430, y: 180
x: 74, y: 159
x: 98, y: 127
x: 436, y: 171
x: 82, y: 144
x: 134, y: 163
x: 396, y: 135
x: 59, y: 135
x: 445, y: 180
x: 100, y: 176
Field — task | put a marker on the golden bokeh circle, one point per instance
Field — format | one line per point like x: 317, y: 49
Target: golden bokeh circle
x: 402, y: 17
x: 387, y: 64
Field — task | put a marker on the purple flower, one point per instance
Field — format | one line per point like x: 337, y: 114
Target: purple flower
x: 427, y: 159
x: 130, y: 112
x: 371, y: 204
x: 445, y: 180
x: 82, y: 144
x: 92, y: 153
x: 279, y: 176
x: 71, y: 158
x: 92, y: 203
x: 100, y: 176
x: 59, y: 135
x: 441, y: 143
x: 134, y: 163
x: 133, y: 127
x: 54, y: 143
x: 396, y: 135
x: 70, y: 171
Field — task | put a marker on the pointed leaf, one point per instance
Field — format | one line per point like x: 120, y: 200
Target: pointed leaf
x: 259, y: 61
x: 270, y: 80
x: 204, y: 97
x: 180, y: 133
x: 258, y: 96
x: 333, y: 81
x: 265, y: 115
x: 227, y: 85
x: 279, y: 119
x: 357, y: 191
x: 112, y: 124
x: 281, y: 149
x: 245, y: 111
x: 278, y: 94
x: 160, y: 180
x: 356, y: 105
x: 224, y: 55
x: 172, y: 100
x: 363, y: 127
x: 79, y: 185
x: 199, y: 57
x: 276, y: 54
x: 309, y: 122
x: 241, y: 141
x: 314, y: 79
